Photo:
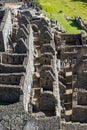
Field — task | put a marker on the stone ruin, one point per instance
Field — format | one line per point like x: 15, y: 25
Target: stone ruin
x: 81, y: 23
x: 72, y: 51
x: 43, y: 75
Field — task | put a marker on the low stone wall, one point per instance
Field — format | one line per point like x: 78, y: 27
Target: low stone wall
x: 6, y: 27
x: 44, y: 123
x: 47, y: 101
x: 15, y: 59
x: 74, y: 126
x: 81, y: 98
x: 12, y: 68
x: 13, y: 79
x: 9, y: 95
x: 70, y: 38
x: 29, y: 73
x: 13, y: 117
x: 81, y: 23
x: 79, y: 113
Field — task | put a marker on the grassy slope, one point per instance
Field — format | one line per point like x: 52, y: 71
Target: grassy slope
x: 69, y: 8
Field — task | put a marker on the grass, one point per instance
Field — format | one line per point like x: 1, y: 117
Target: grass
x: 59, y: 9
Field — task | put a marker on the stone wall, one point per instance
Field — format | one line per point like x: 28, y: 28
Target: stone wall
x: 15, y: 59
x: 29, y: 72
x: 1, y: 41
x: 12, y: 68
x: 71, y: 38
x: 13, y: 79
x: 9, y: 95
x: 73, y: 126
x: 43, y: 123
x: 81, y: 23
x: 82, y: 98
x: 13, y: 116
x: 79, y: 114
x: 47, y: 101
x: 6, y: 27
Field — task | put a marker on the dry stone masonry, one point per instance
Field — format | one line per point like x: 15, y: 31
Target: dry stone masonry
x: 43, y: 73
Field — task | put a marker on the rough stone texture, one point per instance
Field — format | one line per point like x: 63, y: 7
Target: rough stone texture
x: 43, y: 123
x: 21, y: 47
x: 13, y: 79
x: 12, y: 69
x: 48, y: 48
x: 46, y: 68
x: 27, y: 13
x: 13, y: 58
x: 46, y: 58
x: 22, y: 34
x: 47, y: 101
x: 7, y: 28
x: 24, y: 20
x: 74, y: 126
x: 79, y: 114
x: 25, y: 29
x: 14, y: 121
x: 46, y: 80
x: 82, y: 98
x: 29, y: 73
x: 81, y: 23
x: 72, y: 52
x: 9, y: 95
x: 2, y: 128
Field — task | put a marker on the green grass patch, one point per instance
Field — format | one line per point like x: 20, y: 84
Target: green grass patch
x: 59, y: 9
